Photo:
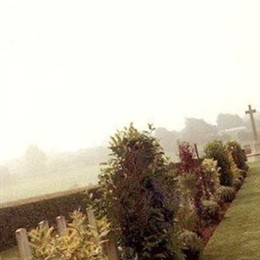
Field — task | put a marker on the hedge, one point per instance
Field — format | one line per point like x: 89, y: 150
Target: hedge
x: 28, y: 213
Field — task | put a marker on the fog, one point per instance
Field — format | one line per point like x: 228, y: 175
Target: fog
x: 72, y: 72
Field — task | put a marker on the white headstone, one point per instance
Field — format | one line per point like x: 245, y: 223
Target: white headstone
x: 62, y: 225
x: 23, y: 244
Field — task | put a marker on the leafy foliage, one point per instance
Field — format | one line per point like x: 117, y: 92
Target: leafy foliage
x: 211, y: 212
x: 187, y: 219
x: 237, y: 154
x: 242, y: 173
x: 188, y: 162
x: 216, y: 151
x: 140, y: 196
x: 237, y: 183
x: 81, y: 241
x: 191, y: 176
x: 191, y: 244
x: 210, y: 173
x: 226, y: 194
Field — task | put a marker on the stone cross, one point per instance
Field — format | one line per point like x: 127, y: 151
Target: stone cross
x: 251, y: 111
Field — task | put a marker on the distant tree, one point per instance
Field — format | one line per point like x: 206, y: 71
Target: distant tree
x: 198, y: 131
x: 35, y: 160
x: 226, y: 121
x: 243, y: 136
x: 168, y: 140
x: 224, y: 137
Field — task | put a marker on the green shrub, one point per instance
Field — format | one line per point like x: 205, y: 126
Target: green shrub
x: 242, y: 173
x: 226, y: 194
x: 187, y: 219
x: 187, y: 185
x: 211, y: 212
x: 238, y: 154
x: 241, y: 178
x: 216, y: 151
x: 210, y: 177
x: 190, y: 174
x: 191, y: 244
x: 140, y: 196
x: 237, y: 183
x: 81, y: 241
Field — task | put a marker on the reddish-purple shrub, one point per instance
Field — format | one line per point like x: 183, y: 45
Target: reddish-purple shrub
x: 190, y: 165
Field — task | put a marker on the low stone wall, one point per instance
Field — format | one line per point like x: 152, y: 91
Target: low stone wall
x: 28, y: 213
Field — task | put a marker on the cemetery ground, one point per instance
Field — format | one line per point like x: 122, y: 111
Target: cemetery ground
x: 11, y: 254
x: 23, y: 187
x: 237, y: 236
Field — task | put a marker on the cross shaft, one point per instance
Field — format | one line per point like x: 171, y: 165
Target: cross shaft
x: 251, y: 112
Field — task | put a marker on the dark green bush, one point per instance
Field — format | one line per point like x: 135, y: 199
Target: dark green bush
x: 240, y: 177
x: 187, y: 219
x: 191, y: 244
x: 139, y: 195
x: 238, y: 154
x: 211, y: 212
x: 242, y: 173
x: 226, y: 194
x: 237, y: 183
x: 216, y: 151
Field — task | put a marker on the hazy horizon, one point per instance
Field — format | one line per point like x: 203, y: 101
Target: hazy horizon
x: 72, y: 72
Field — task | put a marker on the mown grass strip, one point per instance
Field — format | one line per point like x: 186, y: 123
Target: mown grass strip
x: 238, y: 235
x: 10, y: 254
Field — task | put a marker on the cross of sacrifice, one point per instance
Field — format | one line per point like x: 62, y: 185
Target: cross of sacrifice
x: 251, y: 112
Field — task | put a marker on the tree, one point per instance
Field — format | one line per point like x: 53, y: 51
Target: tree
x: 140, y: 196
x: 189, y: 165
x: 226, y: 121
x: 168, y: 140
x: 198, y: 131
x: 244, y: 136
x: 35, y: 160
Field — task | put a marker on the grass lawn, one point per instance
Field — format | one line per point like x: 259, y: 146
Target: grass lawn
x: 51, y: 182
x: 238, y: 235
x: 11, y: 254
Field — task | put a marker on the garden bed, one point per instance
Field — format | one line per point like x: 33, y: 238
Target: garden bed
x: 208, y: 231
x: 237, y: 236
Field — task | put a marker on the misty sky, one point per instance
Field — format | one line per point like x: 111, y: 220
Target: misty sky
x: 72, y: 72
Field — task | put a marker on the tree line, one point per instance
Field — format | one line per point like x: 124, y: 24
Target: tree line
x: 201, y: 132
x: 35, y: 161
